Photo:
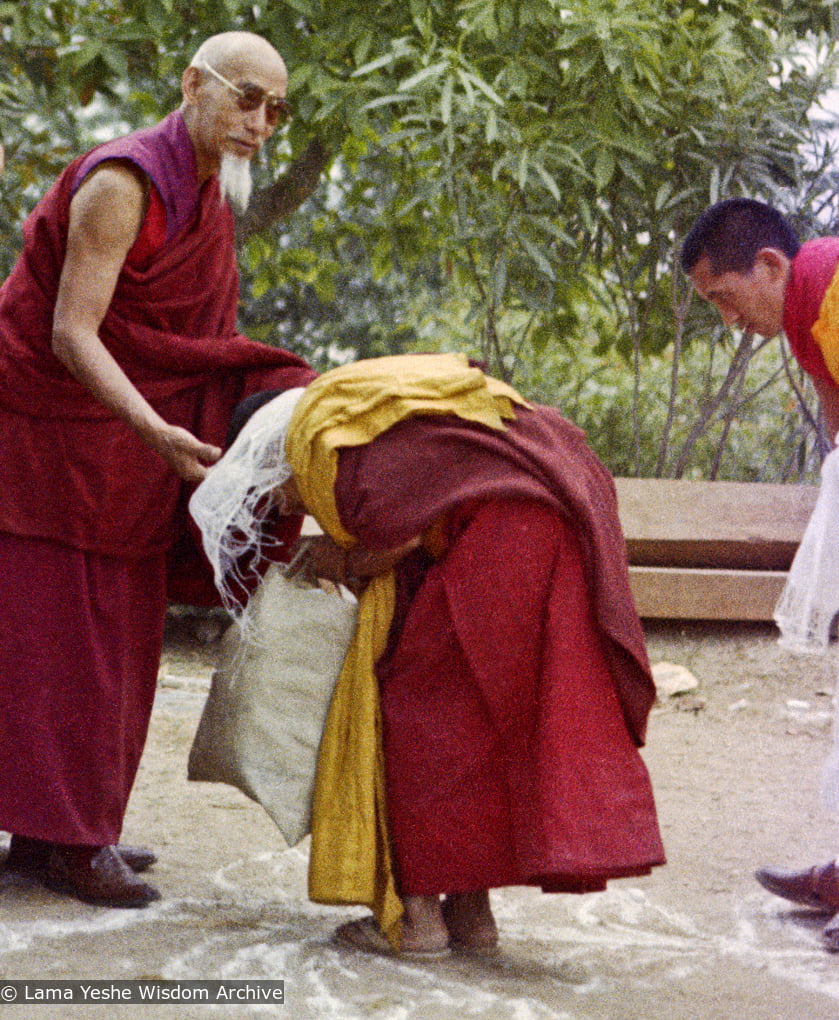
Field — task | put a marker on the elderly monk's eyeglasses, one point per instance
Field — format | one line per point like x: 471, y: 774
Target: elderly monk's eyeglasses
x: 250, y: 97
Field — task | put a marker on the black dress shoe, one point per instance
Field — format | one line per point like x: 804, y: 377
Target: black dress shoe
x: 96, y: 875
x: 28, y: 856
x: 816, y: 887
x: 830, y: 935
x: 138, y: 858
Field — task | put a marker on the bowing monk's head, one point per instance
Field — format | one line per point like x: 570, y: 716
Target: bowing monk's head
x: 234, y: 98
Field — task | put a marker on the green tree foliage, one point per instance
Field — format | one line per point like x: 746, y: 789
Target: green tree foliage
x: 510, y: 177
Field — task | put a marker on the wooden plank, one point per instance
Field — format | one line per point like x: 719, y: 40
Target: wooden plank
x: 733, y: 525
x: 681, y: 593
x: 680, y: 522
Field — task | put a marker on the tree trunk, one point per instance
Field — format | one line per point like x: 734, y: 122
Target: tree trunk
x: 287, y: 193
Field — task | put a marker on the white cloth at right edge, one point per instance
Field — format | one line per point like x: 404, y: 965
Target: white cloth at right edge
x: 809, y: 603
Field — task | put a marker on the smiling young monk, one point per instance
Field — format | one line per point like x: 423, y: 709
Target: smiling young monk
x: 745, y: 258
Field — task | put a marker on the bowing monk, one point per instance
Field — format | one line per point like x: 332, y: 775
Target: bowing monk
x: 485, y: 727
x: 120, y: 363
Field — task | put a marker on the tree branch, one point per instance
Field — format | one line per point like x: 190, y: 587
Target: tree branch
x: 287, y: 193
x: 680, y: 305
x: 728, y: 419
x: 738, y: 363
x: 807, y: 414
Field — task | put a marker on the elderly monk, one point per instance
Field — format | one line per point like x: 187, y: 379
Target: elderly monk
x: 498, y: 651
x: 119, y: 365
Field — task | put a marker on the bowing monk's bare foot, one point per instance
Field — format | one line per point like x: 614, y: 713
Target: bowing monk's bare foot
x: 424, y: 934
x: 423, y: 927
x: 469, y: 920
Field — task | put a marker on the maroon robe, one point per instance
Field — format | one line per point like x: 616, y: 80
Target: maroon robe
x: 90, y: 518
x: 811, y: 273
x: 515, y: 687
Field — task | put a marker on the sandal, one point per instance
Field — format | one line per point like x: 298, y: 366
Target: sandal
x: 475, y: 947
x: 365, y: 935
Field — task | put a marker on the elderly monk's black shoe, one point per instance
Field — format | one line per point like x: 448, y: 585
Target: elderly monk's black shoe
x: 138, y: 858
x: 28, y: 856
x: 830, y: 935
x: 816, y: 887
x: 97, y: 875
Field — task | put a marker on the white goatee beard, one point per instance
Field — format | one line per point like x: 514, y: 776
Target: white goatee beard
x: 234, y: 178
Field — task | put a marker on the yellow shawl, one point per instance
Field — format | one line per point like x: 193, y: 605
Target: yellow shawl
x: 350, y: 853
x: 826, y: 328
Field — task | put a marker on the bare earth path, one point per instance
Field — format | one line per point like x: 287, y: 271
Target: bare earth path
x: 735, y: 767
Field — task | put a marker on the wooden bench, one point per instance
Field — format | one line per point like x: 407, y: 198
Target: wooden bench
x: 710, y: 550
x: 707, y: 550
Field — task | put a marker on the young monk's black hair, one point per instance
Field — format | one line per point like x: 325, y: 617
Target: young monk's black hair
x: 732, y: 232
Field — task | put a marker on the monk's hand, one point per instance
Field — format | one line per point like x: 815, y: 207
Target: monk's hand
x: 320, y: 557
x: 185, y: 454
x: 366, y: 563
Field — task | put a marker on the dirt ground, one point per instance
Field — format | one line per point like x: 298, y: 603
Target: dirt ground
x: 735, y: 766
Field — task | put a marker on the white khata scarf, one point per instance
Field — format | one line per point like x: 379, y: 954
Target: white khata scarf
x: 809, y: 604
x: 232, y: 503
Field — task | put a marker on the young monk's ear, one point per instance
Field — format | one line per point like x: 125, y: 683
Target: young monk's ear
x: 775, y: 261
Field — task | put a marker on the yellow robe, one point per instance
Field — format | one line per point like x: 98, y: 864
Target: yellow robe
x: 826, y: 328
x: 350, y: 858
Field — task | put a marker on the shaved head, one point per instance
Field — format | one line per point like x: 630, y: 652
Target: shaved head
x: 229, y: 48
